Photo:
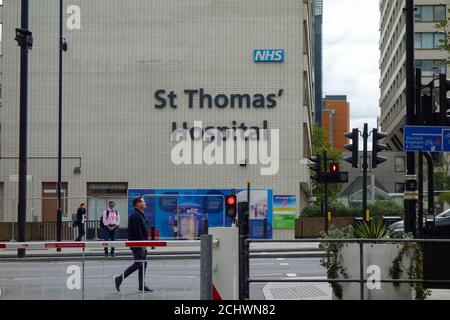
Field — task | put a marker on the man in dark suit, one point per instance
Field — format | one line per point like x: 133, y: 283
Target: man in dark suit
x: 137, y: 231
x: 79, y: 222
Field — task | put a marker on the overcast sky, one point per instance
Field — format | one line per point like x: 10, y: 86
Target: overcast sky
x: 351, y: 56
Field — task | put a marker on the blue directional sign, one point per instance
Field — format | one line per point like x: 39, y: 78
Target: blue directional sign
x: 427, y: 139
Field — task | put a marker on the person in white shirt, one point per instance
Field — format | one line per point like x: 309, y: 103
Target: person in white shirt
x: 111, y: 222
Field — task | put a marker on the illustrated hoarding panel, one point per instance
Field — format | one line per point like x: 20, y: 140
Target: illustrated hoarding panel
x: 183, y: 213
x: 284, y: 209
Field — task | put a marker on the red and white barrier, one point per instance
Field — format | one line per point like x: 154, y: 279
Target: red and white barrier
x: 98, y: 244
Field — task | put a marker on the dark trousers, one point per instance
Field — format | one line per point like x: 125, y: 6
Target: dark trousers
x: 109, y: 235
x: 81, y: 232
x: 139, y: 256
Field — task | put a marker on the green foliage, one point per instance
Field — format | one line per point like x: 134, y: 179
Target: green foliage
x: 332, y: 260
x: 385, y: 208
x: 320, y: 143
x: 415, y: 270
x: 444, y: 198
x: 375, y: 229
x: 441, y: 181
x: 379, y: 209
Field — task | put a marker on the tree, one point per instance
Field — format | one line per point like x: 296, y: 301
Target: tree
x: 442, y: 26
x: 320, y: 143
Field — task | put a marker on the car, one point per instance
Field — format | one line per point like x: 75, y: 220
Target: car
x: 441, y: 227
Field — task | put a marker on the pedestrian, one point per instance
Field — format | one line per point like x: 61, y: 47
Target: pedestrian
x: 111, y: 221
x: 137, y: 231
x: 80, y: 219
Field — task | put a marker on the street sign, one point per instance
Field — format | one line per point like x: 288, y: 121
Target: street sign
x: 427, y: 139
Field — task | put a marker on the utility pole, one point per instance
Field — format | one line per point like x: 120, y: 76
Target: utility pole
x: 365, y: 166
x: 25, y: 41
x: 411, y: 178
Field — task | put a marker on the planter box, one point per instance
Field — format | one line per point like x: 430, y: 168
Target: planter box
x: 381, y: 255
x: 312, y: 227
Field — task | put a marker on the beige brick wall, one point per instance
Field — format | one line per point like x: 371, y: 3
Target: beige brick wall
x: 124, y: 52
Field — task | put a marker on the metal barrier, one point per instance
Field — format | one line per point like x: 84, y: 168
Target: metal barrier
x: 59, y: 279
x: 183, y: 225
x: 362, y: 280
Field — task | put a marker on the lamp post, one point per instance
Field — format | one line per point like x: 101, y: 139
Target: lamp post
x: 25, y: 41
x: 62, y: 48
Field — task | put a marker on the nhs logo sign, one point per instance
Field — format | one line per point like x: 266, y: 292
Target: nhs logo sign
x: 268, y: 55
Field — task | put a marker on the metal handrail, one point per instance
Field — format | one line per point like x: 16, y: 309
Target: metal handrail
x: 362, y: 279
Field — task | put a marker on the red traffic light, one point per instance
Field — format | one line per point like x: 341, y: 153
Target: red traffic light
x: 231, y: 200
x: 334, y: 168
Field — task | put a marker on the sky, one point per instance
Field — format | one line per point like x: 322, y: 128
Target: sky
x: 351, y: 56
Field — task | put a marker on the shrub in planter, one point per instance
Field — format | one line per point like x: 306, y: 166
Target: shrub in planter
x: 395, y: 261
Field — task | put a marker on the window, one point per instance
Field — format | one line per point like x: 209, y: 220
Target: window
x: 400, y: 164
x: 399, y: 187
x: 430, y: 13
x: 428, y: 40
x: 430, y: 67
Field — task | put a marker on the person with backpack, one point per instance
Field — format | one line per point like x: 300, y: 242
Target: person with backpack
x: 110, y: 222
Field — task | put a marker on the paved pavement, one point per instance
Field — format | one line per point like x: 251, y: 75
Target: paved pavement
x: 171, y: 279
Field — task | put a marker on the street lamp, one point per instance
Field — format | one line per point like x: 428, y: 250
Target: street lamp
x: 62, y: 48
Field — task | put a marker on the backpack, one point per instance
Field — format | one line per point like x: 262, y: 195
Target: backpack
x: 102, y: 225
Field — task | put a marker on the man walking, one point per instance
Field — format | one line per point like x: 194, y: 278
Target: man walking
x: 137, y: 231
x: 111, y: 222
x: 79, y: 222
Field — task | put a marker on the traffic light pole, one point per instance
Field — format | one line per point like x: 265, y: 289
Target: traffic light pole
x: 410, y: 199
x: 325, y: 190
x: 22, y: 205
x: 420, y: 120
x: 365, y: 167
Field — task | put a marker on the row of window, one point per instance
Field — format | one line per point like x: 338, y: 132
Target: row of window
x: 430, y: 13
x: 430, y: 68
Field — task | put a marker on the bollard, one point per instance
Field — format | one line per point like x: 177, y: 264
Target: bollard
x: 206, y: 267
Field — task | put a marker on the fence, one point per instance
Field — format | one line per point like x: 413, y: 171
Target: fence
x: 186, y: 216
x: 246, y: 280
x: 88, y: 279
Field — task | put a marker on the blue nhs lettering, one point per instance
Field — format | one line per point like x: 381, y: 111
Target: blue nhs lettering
x: 268, y: 55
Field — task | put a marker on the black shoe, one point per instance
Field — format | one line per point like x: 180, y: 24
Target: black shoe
x: 118, y: 282
x: 146, y: 289
x: 113, y: 254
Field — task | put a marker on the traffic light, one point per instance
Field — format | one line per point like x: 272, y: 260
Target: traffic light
x: 444, y: 102
x: 334, y: 168
x: 378, y: 147
x: 353, y: 147
x: 335, y: 176
x: 231, y: 206
x: 316, y: 167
